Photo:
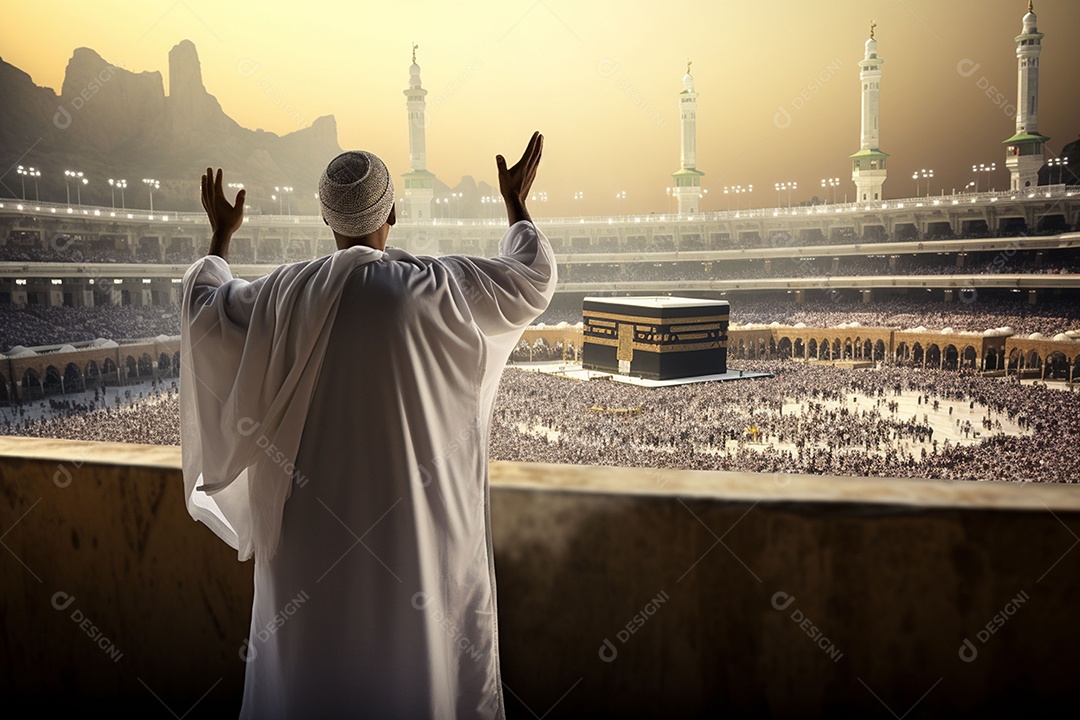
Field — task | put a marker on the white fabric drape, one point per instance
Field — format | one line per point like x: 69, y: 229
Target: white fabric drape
x: 250, y: 354
x: 380, y: 600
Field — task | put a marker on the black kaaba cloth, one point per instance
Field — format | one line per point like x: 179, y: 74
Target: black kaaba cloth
x: 656, y: 337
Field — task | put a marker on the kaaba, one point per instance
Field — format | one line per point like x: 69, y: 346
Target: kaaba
x: 659, y: 338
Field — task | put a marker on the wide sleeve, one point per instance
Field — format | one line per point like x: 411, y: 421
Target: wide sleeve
x: 506, y: 293
x: 250, y: 354
x: 213, y: 295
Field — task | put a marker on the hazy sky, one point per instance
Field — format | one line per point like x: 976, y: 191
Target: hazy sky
x: 778, y: 82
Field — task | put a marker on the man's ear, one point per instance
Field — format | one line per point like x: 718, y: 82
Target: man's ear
x: 325, y: 222
x: 392, y: 220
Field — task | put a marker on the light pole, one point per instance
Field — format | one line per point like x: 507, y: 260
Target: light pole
x: 737, y: 190
x: 926, y: 175
x: 114, y: 185
x: 77, y: 177
x: 37, y: 173
x: 281, y: 192
x: 151, y: 185
x: 832, y: 184
x: 789, y: 186
x: 25, y: 173
x: 1059, y: 162
x: 982, y: 168
x: 492, y: 201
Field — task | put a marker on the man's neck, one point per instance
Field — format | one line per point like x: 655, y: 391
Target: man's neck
x: 375, y: 240
x: 374, y: 244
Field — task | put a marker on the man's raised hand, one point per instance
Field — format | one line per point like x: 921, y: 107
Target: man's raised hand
x: 515, y: 182
x: 225, y: 218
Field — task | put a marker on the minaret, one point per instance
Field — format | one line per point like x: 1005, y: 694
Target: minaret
x: 688, y: 179
x: 418, y: 181
x: 868, y: 165
x: 1024, y: 154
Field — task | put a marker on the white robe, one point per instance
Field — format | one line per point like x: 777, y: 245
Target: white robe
x: 366, y: 380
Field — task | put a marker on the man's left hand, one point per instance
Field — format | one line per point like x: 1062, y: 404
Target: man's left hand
x: 225, y: 218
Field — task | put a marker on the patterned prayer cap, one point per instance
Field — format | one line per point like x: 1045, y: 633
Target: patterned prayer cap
x: 356, y: 193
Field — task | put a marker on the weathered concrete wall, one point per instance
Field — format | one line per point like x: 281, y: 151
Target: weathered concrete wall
x: 621, y: 592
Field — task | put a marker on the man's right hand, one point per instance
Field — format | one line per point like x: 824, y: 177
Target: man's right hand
x: 515, y: 182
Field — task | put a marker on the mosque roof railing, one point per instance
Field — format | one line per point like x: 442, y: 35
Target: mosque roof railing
x: 104, y: 214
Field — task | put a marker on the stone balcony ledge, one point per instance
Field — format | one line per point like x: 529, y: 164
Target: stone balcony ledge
x: 623, y: 592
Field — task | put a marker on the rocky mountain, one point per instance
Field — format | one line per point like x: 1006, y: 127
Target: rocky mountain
x: 109, y: 122
x: 1065, y: 174
x: 466, y: 196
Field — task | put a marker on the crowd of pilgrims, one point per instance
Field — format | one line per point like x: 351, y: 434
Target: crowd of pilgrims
x: 36, y: 325
x: 149, y: 416
x: 803, y: 419
x: 1048, y: 317
x: 41, y: 325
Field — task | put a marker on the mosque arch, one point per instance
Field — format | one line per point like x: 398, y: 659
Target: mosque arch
x: 903, y: 352
x: 31, y: 384
x: 836, y: 349
x: 969, y: 357
x: 53, y: 381
x: 812, y: 348
x: 784, y: 348
x: 131, y: 368
x: 91, y: 374
x: 879, y: 351
x: 950, y: 357
x: 799, y: 348
x: 933, y: 355
x: 73, y: 378
x: 5, y: 390
x: 917, y: 354
x: 176, y: 364
x: 146, y: 365
x: 109, y: 371
x: 1015, y: 362
x: 164, y: 364
x: 1033, y: 361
